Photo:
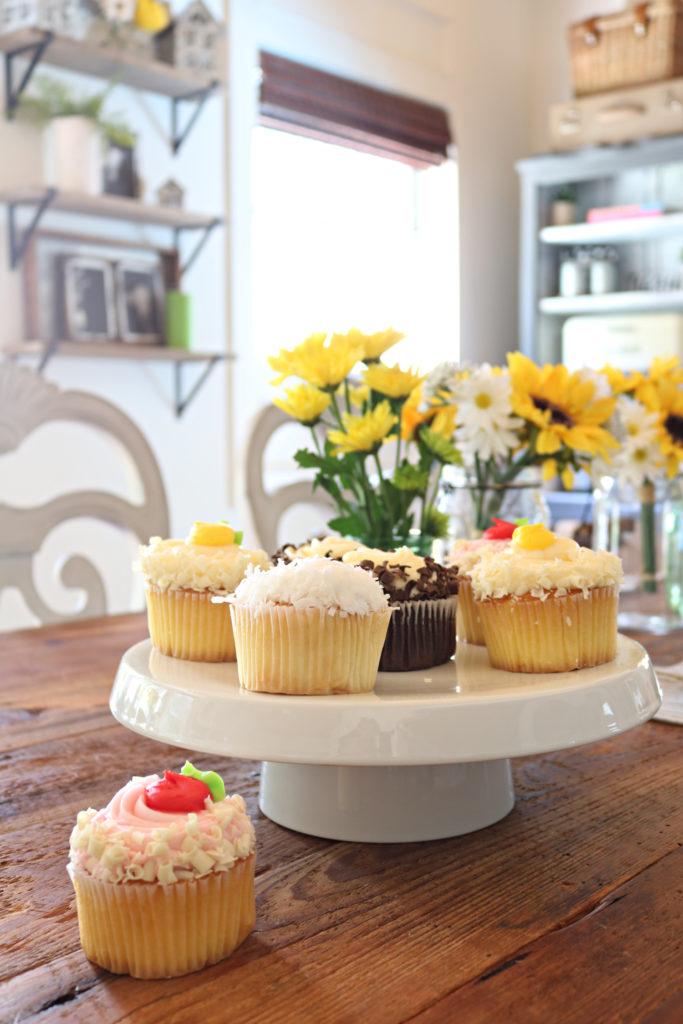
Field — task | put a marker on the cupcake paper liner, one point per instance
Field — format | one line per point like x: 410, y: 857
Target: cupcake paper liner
x: 187, y: 624
x: 421, y: 634
x: 469, y: 627
x: 281, y: 649
x: 558, y: 634
x: 149, y: 930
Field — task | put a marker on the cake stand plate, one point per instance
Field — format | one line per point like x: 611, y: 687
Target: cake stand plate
x: 424, y: 756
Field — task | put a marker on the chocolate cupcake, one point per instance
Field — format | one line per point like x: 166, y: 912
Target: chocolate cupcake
x: 423, y: 596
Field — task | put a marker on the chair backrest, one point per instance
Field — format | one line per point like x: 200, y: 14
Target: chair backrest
x: 268, y: 506
x: 27, y: 401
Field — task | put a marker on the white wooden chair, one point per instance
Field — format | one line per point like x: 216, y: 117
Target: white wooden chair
x: 27, y: 401
x: 269, y: 506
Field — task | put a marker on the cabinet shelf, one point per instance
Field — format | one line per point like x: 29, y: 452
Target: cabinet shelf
x: 178, y: 358
x: 632, y: 229
x: 104, y: 62
x: 614, y: 302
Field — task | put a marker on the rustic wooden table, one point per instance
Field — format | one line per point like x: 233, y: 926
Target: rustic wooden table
x: 568, y: 910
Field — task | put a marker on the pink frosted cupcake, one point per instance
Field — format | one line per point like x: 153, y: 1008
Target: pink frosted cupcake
x: 465, y: 554
x: 164, y: 875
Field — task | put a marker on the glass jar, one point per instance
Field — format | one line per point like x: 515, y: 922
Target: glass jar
x: 471, y: 508
x: 644, y: 527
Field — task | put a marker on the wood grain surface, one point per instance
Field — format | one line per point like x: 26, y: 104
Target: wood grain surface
x: 567, y: 910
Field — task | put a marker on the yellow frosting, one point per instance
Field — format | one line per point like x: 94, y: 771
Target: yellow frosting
x: 211, y: 534
x: 534, y: 537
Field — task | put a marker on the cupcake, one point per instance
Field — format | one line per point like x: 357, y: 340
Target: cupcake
x: 464, y: 554
x: 317, y: 547
x: 422, y: 596
x: 313, y: 626
x: 182, y: 578
x: 546, y: 604
x: 164, y: 875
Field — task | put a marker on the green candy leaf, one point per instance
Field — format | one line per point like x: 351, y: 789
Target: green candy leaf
x: 211, y: 779
x: 239, y: 536
x: 521, y: 522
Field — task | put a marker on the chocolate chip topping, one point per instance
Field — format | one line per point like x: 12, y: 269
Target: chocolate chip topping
x: 433, y: 580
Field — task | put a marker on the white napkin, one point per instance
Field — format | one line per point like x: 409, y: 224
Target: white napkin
x: 671, y: 681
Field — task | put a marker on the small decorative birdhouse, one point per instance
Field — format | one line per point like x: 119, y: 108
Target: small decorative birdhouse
x: 193, y: 41
x: 170, y: 194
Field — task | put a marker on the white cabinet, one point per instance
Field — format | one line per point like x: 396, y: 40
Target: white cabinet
x: 648, y: 250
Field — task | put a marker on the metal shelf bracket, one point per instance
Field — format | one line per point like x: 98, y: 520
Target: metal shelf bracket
x: 184, y: 267
x: 17, y: 242
x: 34, y: 52
x: 181, y: 403
x: 198, y: 97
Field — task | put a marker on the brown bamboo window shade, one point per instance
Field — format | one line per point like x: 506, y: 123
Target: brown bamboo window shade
x: 305, y: 101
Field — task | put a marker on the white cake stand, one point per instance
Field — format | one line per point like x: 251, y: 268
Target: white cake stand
x: 424, y: 756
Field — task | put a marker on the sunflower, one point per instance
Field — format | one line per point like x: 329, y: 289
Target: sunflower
x: 317, y: 360
x: 664, y: 395
x: 305, y: 403
x: 363, y: 433
x: 391, y: 381
x: 561, y: 406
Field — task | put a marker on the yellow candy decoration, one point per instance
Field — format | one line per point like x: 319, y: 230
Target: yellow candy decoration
x: 534, y: 537
x: 211, y: 534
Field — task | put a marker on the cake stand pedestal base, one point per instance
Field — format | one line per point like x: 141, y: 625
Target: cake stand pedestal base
x: 386, y: 804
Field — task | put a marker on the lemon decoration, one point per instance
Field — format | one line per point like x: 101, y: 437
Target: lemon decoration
x: 212, y: 534
x: 151, y: 16
x: 534, y: 537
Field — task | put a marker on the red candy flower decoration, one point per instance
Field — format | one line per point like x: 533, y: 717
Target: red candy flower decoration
x: 177, y: 794
x: 501, y: 531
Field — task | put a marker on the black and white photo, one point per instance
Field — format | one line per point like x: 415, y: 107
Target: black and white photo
x: 88, y: 299
x: 140, y: 300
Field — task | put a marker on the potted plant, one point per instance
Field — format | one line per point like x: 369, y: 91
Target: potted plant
x: 563, y: 206
x: 77, y: 132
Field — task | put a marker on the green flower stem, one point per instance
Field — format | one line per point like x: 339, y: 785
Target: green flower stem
x: 647, y: 527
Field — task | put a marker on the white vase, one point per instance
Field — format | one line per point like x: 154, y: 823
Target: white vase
x: 73, y: 155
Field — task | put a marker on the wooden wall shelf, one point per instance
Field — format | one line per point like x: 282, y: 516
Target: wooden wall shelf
x: 108, y: 63
x: 179, y: 358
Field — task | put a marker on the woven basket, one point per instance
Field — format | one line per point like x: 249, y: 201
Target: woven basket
x: 641, y: 44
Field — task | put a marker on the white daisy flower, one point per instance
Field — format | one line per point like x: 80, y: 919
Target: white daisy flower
x: 637, y: 462
x: 637, y: 423
x: 485, y: 420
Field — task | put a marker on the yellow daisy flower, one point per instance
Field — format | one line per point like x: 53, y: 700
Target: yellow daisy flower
x: 560, y: 404
x: 304, y: 403
x: 364, y: 433
x: 391, y: 381
x: 318, y: 361
x: 412, y: 416
x: 374, y: 344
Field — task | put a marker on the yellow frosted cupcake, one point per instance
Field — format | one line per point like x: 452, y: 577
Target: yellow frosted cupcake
x: 164, y: 875
x: 183, y: 578
x: 312, y: 626
x: 546, y: 604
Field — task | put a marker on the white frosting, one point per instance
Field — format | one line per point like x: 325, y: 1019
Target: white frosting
x: 403, y: 557
x: 177, y: 565
x: 325, y: 547
x: 561, y: 567
x: 337, y: 588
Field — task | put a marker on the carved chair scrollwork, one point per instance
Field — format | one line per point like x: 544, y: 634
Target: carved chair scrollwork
x: 269, y: 506
x: 27, y: 401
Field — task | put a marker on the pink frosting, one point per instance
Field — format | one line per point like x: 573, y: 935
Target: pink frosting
x: 128, y: 841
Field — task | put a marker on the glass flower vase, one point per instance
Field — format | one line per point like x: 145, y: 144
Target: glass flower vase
x: 644, y: 526
x: 471, y: 508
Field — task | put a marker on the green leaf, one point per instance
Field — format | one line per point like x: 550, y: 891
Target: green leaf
x: 210, y: 779
x: 435, y: 523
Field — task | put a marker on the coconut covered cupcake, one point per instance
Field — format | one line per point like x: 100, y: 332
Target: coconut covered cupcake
x: 317, y: 547
x: 182, y: 578
x: 313, y: 626
x: 164, y: 875
x: 423, y: 598
x: 547, y: 604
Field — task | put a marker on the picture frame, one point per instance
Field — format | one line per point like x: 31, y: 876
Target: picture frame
x: 119, y: 172
x: 87, y: 298
x: 140, y: 303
